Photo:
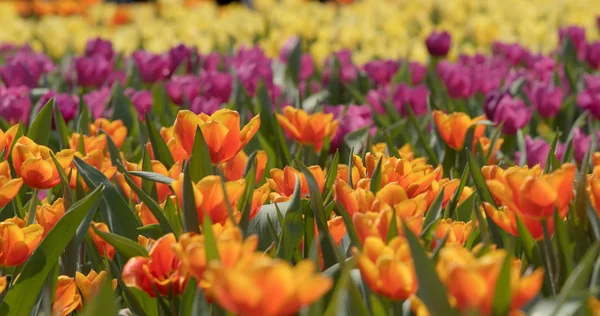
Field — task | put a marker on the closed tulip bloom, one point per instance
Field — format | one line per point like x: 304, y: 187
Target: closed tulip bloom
x: 576, y: 35
x: 6, y: 139
x: 234, y: 168
x: 89, y: 142
x: 415, y: 176
x: 388, y: 269
x: 17, y: 243
x: 90, y: 284
x: 97, y: 101
x: 262, y: 286
x: 284, y: 181
x: 458, y: 232
x: 160, y: 270
x: 67, y: 104
x: 453, y: 128
x: 99, y: 47
x: 152, y: 67
x: 104, y: 248
x: 96, y: 159
x: 471, y: 281
x: 67, y: 297
x: 307, y: 129
x: 48, y: 215
x: 593, y: 186
x: 546, y: 99
x: 9, y: 187
x: 589, y: 98
x: 141, y: 100
x: 162, y: 189
x: 92, y: 71
x: 15, y: 104
x: 512, y: 113
x: 486, y: 145
x: 183, y: 89
x: 592, y: 55
x: 353, y: 200
x: 35, y: 166
x: 438, y: 43
x: 116, y: 130
x: 221, y: 131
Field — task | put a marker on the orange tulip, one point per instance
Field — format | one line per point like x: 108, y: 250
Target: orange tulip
x: 177, y: 151
x: 34, y: 164
x: 145, y: 214
x: 283, y: 182
x: 471, y: 281
x: 3, y: 283
x: 486, y: 143
x: 9, y: 187
x: 101, y: 245
x: 260, y: 285
x: 231, y: 245
x: 6, y: 139
x: 506, y: 218
x: 388, y: 269
x: 162, y: 190
x: 415, y: 176
x: 17, y: 243
x: 373, y: 224
x: 531, y: 193
x: 67, y: 298
x: 458, y: 232
x: 234, y: 168
x: 89, y: 284
x: 453, y: 128
x: 48, y: 215
x: 307, y: 129
x: 115, y: 130
x: 405, y: 151
x: 221, y: 132
x: 210, y: 198
x: 96, y: 159
x: 159, y: 271
x: 358, y: 200
x: 259, y: 197
x: 449, y: 187
x: 146, y: 242
x: 358, y: 172
x: 89, y: 142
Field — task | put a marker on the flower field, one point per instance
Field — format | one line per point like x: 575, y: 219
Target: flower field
x: 299, y: 158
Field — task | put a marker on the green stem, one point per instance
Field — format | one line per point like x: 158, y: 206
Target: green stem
x: 32, y: 208
x: 550, y: 256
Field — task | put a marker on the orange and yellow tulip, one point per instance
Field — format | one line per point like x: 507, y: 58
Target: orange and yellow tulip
x: 35, y: 166
x: 260, y: 285
x: 307, y: 129
x: 3, y: 283
x: 453, y: 128
x: 96, y: 159
x: 405, y: 151
x: 449, y: 187
x: 371, y: 224
x: 67, y: 297
x: 160, y: 271
x: 17, y: 242
x: 259, y: 198
x: 6, y: 139
x: 162, y: 190
x: 9, y: 187
x: 115, y: 130
x: 388, y: 269
x: 284, y: 181
x: 358, y: 200
x: 457, y: 232
x: 101, y: 245
x: 89, y: 284
x: 593, y: 184
x: 146, y: 215
x: 221, y: 131
x: 358, y: 172
x: 234, y: 168
x: 471, y: 281
x: 89, y: 142
x: 48, y: 215
x: 415, y: 176
x: 486, y: 145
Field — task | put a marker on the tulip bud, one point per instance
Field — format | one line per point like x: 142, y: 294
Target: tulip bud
x: 438, y: 43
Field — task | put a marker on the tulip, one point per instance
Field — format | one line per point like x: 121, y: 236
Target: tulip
x: 284, y: 181
x: 152, y: 67
x: 145, y: 215
x: 116, y: 130
x: 6, y: 140
x: 67, y: 298
x: 35, y: 166
x: 358, y: 200
x: 89, y: 142
x: 159, y: 272
x: 351, y: 118
x: 415, y: 97
x: 17, y: 243
x: 162, y: 189
x: 577, y: 37
x: 48, y: 215
x: 141, y: 100
x: 388, y: 269
x: 25, y: 69
x: 96, y: 159
x: 471, y: 281
x: 91, y: 283
x: 205, y: 105
x: 453, y: 128
x: 105, y: 249
x: 99, y: 47
x: 216, y: 86
x: 15, y: 104
x: 537, y: 151
x: 589, y: 98
x: 307, y: 129
x: 372, y: 224
x: 415, y: 176
x: 457, y: 232
x: 3, y: 283
x: 66, y: 103
x: 209, y: 197
x: 97, y: 101
x: 221, y: 132
x: 485, y: 144
x: 248, y: 287
x: 449, y: 187
x: 92, y: 71
x: 358, y: 172
x: 234, y: 168
x: 381, y: 71
x: 592, y: 55
x: 348, y: 71
x: 183, y: 89
x: 457, y: 79
x: 438, y: 43
x: 546, y: 99
x: 9, y: 187
x: 259, y: 198
x: 512, y: 113
x: 179, y: 55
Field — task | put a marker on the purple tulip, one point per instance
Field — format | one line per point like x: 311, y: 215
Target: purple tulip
x: 115, y: 76
x: 15, y: 104
x: 288, y: 46
x: 183, y: 89
x: 381, y: 71
x: 205, y: 105
x: 456, y: 78
x: 66, y: 103
x: 514, y: 53
x: 348, y: 71
x: 592, y: 55
x: 589, y: 98
x: 99, y: 47
x: 25, y: 68
x: 417, y: 72
x: 92, y: 71
x: 537, y: 151
x: 153, y: 68
x: 303, y: 87
x: 491, y: 103
x: 581, y: 142
x: 252, y: 66
x: 438, y: 43
x: 512, y: 113
x: 307, y: 67
x: 141, y: 100
x: 577, y: 36
x: 211, y: 61
x: 351, y: 118
x: 179, y: 55
x: 377, y: 97
x: 97, y: 101
x: 416, y: 97
x: 218, y: 85
x: 547, y: 99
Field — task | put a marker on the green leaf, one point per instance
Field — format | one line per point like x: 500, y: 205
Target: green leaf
x: 527, y: 241
x: 151, y: 231
x: 431, y: 290
x: 190, y: 214
x: 375, y: 177
x: 350, y: 229
x: 124, y: 246
x: 39, y: 130
x: 357, y: 139
x: 250, y: 181
x: 200, y: 164
x: 170, y: 210
x: 152, y: 176
x: 259, y: 225
x: 69, y: 258
x: 451, y: 207
x: 432, y: 157
x: 332, y: 173
x: 61, y: 126
x: 522, y: 148
x: 147, y: 185
x: 434, y: 213
x: 210, y: 242
x: 159, y: 147
x: 292, y: 228
x: 19, y: 300
x: 552, y: 162
x: 115, y: 154
x: 103, y: 302
x: 121, y: 107
x: 502, y: 293
x: 292, y: 71
x: 393, y: 228
x: 392, y: 149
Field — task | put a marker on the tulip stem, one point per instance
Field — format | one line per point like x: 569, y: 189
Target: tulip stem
x: 32, y: 208
x: 550, y: 256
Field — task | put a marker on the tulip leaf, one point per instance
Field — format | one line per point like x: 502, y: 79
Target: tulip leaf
x: 103, y: 302
x: 69, y: 258
x: 392, y: 228
x: 152, y: 176
x: 137, y: 300
x: 292, y: 227
x: 190, y: 214
x: 432, y: 157
x: 334, y: 84
x: 117, y: 213
x: 375, y: 177
x: 124, y: 246
x: 61, y: 126
x: 151, y: 231
x: 522, y: 148
x: 19, y: 300
x: 350, y: 229
x: 552, y: 162
x: 200, y: 164
x: 159, y: 147
x: 434, y: 213
x: 259, y: 225
x: 392, y: 149
x: 187, y: 299
x: 431, y: 290
x: 147, y: 185
x: 250, y: 183
x: 121, y: 107
x: 332, y: 171
x: 292, y: 70
x: 527, y: 242
x: 39, y: 130
x: 210, y: 242
x: 451, y: 207
x: 350, y: 166
x: 115, y: 154
x: 565, y: 250
x: 502, y: 293
x: 83, y: 120
x: 581, y: 196
x: 357, y: 139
